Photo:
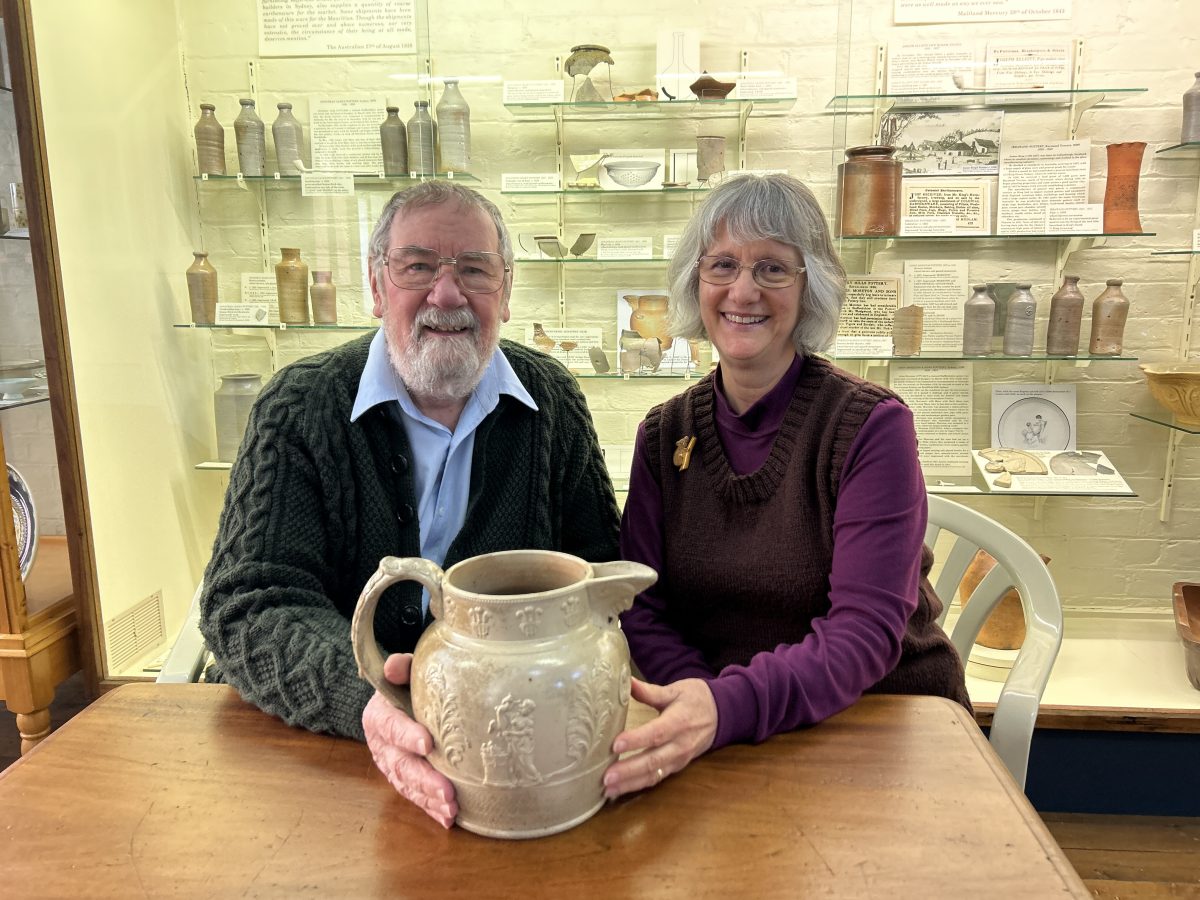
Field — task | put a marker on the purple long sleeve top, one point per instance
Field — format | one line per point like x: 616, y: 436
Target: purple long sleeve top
x: 879, y: 525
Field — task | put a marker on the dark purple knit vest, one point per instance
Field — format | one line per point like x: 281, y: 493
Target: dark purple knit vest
x: 746, y: 558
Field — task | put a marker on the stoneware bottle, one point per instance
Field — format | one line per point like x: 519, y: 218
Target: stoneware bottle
x: 202, y: 289
x: 323, y: 294
x: 210, y: 142
x: 1018, y: 325
x: 251, y: 136
x: 979, y: 314
x: 231, y: 403
x: 422, y: 140
x: 1066, y: 315
x: 1191, y: 114
x: 291, y: 282
x: 454, y: 129
x: 1121, y: 188
x: 288, y: 135
x: 1110, y: 309
x: 869, y: 192
x: 395, y: 143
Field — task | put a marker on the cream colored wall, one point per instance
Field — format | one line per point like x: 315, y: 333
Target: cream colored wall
x: 114, y: 104
x: 121, y: 147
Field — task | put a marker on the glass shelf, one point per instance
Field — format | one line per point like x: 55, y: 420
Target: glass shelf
x: 284, y: 327
x: 618, y: 376
x: 990, y: 237
x: 653, y: 109
x: 608, y: 192
x: 365, y: 179
x: 976, y: 491
x: 6, y: 88
x: 213, y: 466
x: 1174, y: 252
x: 959, y: 356
x: 591, y: 260
x: 1167, y: 422
x: 1043, y: 98
x: 24, y: 401
x: 14, y: 237
x: 1190, y: 148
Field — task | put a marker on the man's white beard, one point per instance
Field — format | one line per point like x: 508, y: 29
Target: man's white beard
x: 437, y: 368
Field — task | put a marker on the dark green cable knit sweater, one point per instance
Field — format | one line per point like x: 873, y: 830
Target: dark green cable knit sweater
x: 315, y: 501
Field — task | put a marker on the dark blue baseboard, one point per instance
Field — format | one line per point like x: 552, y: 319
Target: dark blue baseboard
x: 1116, y: 772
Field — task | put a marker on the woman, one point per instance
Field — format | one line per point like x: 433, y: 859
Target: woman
x: 780, y: 499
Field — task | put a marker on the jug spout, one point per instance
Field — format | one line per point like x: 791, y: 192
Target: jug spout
x: 615, y: 584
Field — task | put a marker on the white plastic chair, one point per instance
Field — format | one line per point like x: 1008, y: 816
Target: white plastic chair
x: 188, y: 654
x: 1019, y: 566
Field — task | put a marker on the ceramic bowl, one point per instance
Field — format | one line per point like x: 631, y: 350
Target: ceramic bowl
x: 631, y: 172
x: 1177, y: 387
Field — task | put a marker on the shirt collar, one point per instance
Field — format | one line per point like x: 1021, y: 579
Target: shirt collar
x: 379, y: 382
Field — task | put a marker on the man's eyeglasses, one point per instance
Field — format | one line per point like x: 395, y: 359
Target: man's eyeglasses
x: 416, y: 268
x: 768, y: 273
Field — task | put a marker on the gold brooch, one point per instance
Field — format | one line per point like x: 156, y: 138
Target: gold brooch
x: 683, y: 452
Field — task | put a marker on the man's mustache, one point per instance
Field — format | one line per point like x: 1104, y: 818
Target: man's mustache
x: 445, y: 320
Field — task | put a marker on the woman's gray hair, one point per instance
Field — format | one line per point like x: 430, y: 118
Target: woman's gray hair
x: 433, y: 193
x: 762, y: 208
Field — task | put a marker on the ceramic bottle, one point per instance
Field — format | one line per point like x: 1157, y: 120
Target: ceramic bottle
x: 1018, y: 324
x: 869, y: 192
x: 323, y: 294
x: 454, y: 129
x: 251, y: 134
x: 291, y: 282
x: 232, y: 403
x: 288, y: 135
x: 210, y: 142
x: 1110, y: 310
x: 1191, y: 114
x: 1066, y: 315
x: 422, y: 140
x: 979, y: 313
x: 202, y: 289
x: 394, y: 140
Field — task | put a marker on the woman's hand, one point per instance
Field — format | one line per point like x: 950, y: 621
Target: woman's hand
x: 684, y: 729
x: 399, y: 746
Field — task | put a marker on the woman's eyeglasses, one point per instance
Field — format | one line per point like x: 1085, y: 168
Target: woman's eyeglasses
x: 768, y: 273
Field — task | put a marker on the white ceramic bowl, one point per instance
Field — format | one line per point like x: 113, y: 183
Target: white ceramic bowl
x: 631, y: 172
x: 15, y: 388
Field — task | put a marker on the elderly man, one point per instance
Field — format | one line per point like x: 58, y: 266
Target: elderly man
x: 430, y: 438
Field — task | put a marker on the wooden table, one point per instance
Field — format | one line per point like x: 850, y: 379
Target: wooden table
x: 185, y: 790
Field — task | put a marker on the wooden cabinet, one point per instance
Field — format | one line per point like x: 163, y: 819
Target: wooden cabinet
x: 43, y: 635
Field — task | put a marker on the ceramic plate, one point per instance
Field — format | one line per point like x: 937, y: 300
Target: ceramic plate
x: 1035, y: 423
x: 25, y: 519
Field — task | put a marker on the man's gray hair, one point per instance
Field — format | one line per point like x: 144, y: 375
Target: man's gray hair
x: 757, y: 208
x: 433, y: 193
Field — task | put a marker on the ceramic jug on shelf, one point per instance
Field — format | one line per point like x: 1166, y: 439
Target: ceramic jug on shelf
x: 454, y: 129
x: 323, y: 294
x: 979, y: 315
x: 1066, y: 316
x: 1110, y: 310
x: 422, y: 140
x: 1018, y: 323
x: 288, y: 135
x: 394, y: 140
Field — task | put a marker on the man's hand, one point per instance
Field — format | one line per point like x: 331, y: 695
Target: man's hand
x: 399, y: 746
x: 684, y: 729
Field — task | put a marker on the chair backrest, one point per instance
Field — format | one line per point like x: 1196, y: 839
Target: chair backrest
x: 187, y: 656
x: 1019, y: 566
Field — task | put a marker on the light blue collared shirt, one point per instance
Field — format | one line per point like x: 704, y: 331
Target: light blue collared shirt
x: 441, y: 458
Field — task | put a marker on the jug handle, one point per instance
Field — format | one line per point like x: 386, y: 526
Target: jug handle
x: 614, y: 585
x: 362, y: 626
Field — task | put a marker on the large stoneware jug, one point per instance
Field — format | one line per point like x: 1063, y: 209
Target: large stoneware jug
x: 523, y: 680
